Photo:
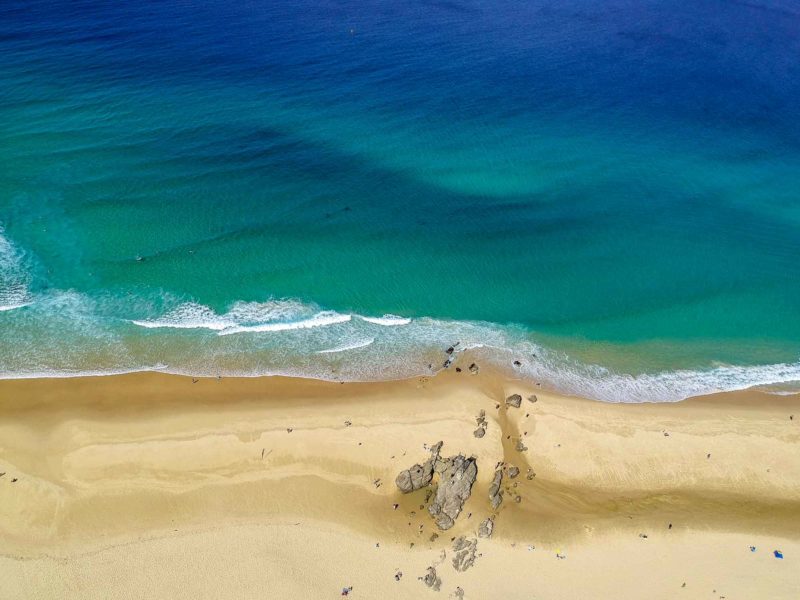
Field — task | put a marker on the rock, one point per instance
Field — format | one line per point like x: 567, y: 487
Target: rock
x: 431, y: 579
x: 456, y: 476
x: 473, y: 368
x: 520, y: 446
x: 530, y: 474
x: 485, y: 528
x: 480, y: 431
x: 495, y: 493
x: 458, y: 594
x: 513, y: 471
x: 532, y: 398
x: 514, y: 400
x: 464, y: 553
x: 418, y: 476
x: 481, y: 418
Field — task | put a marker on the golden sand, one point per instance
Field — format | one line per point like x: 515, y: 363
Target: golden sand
x: 152, y: 486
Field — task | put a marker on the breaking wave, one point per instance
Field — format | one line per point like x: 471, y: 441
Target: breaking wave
x: 14, y: 279
x: 66, y: 333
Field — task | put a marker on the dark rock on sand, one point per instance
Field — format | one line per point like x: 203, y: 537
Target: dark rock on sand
x: 464, y: 553
x: 456, y: 476
x: 520, y: 446
x: 495, y: 493
x: 480, y: 431
x: 418, y: 476
x: 513, y: 471
x: 486, y: 528
x: 514, y: 400
x: 532, y: 398
x: 432, y: 580
x: 473, y: 368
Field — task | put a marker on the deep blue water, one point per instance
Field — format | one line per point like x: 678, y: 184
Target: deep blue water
x: 607, y: 191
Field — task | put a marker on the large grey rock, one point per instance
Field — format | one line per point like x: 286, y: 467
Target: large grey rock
x: 456, y: 476
x: 486, y: 528
x: 418, y: 476
x: 495, y: 493
x: 514, y: 400
x: 464, y: 550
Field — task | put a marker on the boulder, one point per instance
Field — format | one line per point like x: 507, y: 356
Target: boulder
x: 418, y: 476
x: 456, y: 476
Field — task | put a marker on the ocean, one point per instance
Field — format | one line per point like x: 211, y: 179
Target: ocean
x: 607, y: 192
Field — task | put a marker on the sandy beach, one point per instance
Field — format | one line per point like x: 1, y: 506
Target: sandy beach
x: 161, y: 486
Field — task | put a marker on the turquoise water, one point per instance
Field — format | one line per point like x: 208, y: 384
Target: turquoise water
x: 607, y: 192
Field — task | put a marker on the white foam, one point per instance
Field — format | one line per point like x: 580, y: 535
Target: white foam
x: 14, y: 279
x: 346, y: 347
x: 242, y: 316
x: 599, y: 383
x: 188, y: 316
x: 322, y: 319
x: 6, y: 307
x: 387, y: 320
x: 397, y: 353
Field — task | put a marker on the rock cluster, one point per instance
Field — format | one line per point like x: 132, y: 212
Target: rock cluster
x: 482, y: 424
x: 464, y: 553
x: 456, y: 476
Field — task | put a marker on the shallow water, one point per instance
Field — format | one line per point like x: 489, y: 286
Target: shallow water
x: 606, y: 191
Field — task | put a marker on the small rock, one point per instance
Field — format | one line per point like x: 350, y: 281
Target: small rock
x: 514, y: 400
x: 431, y: 579
x: 473, y: 368
x: 520, y: 446
x: 532, y: 398
x: 495, y: 493
x: 513, y: 471
x: 479, y: 432
x: 458, y: 594
x: 485, y: 528
x: 464, y: 553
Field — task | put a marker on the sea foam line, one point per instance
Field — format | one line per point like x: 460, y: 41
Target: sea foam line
x: 346, y: 347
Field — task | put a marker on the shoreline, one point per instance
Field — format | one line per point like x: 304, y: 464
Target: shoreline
x: 123, y: 465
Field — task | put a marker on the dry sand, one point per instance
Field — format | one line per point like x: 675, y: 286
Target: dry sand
x: 152, y: 486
